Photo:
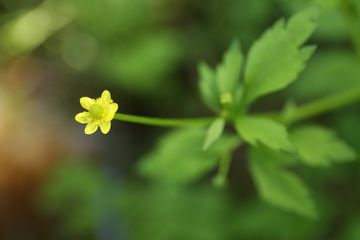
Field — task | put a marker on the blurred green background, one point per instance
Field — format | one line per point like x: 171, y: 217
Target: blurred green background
x: 57, y: 183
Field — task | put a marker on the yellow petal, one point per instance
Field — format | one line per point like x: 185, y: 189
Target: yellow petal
x: 83, y: 117
x: 106, y: 96
x: 112, y: 109
x: 105, y: 127
x: 86, y: 102
x: 91, y: 128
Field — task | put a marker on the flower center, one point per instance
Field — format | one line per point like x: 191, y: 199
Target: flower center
x: 96, y: 111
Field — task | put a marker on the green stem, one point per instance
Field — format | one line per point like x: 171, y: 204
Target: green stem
x: 323, y: 105
x: 164, y: 122
x: 220, y: 180
x: 301, y: 113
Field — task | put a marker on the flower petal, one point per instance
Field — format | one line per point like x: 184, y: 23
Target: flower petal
x: 105, y: 127
x: 91, y: 128
x: 111, y: 110
x: 106, y: 96
x: 83, y: 117
x: 86, y: 102
x: 113, y: 107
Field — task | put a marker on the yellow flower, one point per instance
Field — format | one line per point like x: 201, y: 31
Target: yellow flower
x: 99, y: 113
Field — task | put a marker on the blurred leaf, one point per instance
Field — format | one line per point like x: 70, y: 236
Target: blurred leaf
x: 318, y: 146
x: 78, y: 50
x: 228, y: 72
x: 82, y: 197
x: 107, y: 19
x: 331, y: 23
x: 32, y: 28
x: 328, y: 73
x: 302, y: 25
x: 161, y: 212
x: 179, y: 156
x: 233, y: 24
x: 208, y: 87
x: 19, y: 4
x: 224, y: 82
x: 344, y: 122
x: 254, y: 215
x: 278, y: 186
x: 276, y: 59
x: 214, y: 132
x: 143, y: 64
x: 352, y: 229
x: 257, y: 130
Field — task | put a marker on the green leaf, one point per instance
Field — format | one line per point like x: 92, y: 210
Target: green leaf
x: 278, y: 186
x: 208, y: 87
x: 228, y: 72
x: 214, y: 132
x: 318, y: 146
x: 302, y: 25
x: 277, y: 58
x: 268, y: 132
x: 327, y: 68
x: 179, y: 157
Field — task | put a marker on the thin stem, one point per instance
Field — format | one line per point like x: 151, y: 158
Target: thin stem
x: 220, y: 180
x: 323, y: 105
x: 301, y: 113
x: 164, y: 122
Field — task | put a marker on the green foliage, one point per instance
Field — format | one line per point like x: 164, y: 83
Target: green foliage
x: 276, y: 59
x: 124, y: 17
x: 318, y: 146
x: 141, y: 47
x: 164, y: 212
x: 257, y: 130
x: 221, y: 87
x: 255, y: 215
x: 331, y: 24
x: 155, y: 53
x: 81, y: 194
x: 214, y: 132
x: 228, y: 72
x: 352, y: 230
x: 334, y: 71
x: 302, y: 25
x: 278, y: 186
x: 208, y: 87
x: 344, y: 124
x: 179, y: 158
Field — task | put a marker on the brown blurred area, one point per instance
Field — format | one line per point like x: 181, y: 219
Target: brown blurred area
x: 31, y: 143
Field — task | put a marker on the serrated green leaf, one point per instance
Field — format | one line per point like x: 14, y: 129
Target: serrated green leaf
x: 318, y: 146
x: 228, y: 72
x: 302, y: 25
x: 214, y: 132
x: 327, y: 68
x: 268, y: 132
x: 208, y: 87
x: 179, y: 157
x: 276, y: 59
x: 278, y: 186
